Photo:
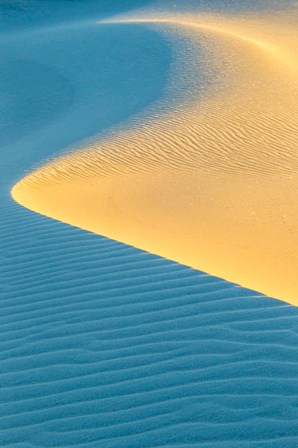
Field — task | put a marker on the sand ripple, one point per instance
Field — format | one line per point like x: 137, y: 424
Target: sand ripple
x: 105, y: 345
x: 208, y: 178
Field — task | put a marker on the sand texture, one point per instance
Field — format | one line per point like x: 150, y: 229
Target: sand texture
x: 103, y: 345
x: 169, y: 126
x: 208, y: 176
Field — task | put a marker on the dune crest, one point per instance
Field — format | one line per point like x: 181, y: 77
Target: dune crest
x: 211, y: 182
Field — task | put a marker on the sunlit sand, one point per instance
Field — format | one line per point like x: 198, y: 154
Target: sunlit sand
x: 208, y: 180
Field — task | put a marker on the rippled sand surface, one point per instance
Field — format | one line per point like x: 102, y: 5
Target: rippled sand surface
x: 180, y: 131
x: 207, y: 176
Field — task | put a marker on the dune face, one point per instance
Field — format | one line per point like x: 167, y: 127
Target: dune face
x: 208, y: 179
x: 103, y: 345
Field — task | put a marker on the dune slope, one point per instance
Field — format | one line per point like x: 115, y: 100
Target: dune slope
x: 105, y: 345
x: 102, y: 344
x: 208, y: 180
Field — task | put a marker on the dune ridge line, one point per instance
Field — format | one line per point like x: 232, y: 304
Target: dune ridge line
x: 211, y: 181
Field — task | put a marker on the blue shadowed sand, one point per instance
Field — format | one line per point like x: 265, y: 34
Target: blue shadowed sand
x: 62, y: 86
x: 101, y: 344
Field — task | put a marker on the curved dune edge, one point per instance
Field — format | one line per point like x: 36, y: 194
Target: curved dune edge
x: 212, y: 182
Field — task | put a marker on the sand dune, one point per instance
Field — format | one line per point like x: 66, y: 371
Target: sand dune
x: 105, y: 345
x: 208, y: 180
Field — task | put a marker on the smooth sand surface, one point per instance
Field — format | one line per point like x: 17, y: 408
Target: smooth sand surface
x: 209, y: 179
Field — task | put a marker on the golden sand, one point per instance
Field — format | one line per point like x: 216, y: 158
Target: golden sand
x: 212, y: 181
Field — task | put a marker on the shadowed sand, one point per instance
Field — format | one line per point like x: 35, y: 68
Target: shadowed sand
x: 103, y: 345
x: 211, y: 182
